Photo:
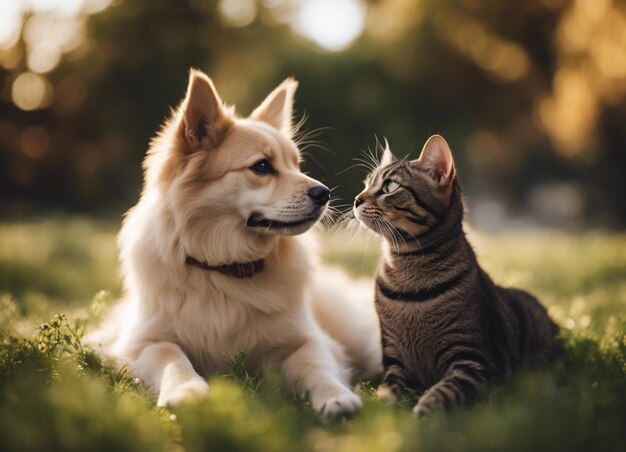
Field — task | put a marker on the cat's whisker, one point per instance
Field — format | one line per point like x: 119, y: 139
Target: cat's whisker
x: 374, y: 155
x: 351, y: 225
x: 367, y: 163
x: 331, y: 218
x: 397, y: 233
x: 387, y: 227
x: 356, y: 165
x: 343, y: 221
x: 334, y: 213
x: 356, y: 227
x: 389, y: 232
x: 368, y: 156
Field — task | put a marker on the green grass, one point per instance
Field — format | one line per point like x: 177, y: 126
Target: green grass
x: 57, y: 275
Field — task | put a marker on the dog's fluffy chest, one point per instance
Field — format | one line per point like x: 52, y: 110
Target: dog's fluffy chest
x: 213, y: 317
x: 220, y: 318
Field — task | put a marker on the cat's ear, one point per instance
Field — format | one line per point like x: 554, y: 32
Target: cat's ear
x: 277, y: 108
x: 204, y: 120
x: 388, y: 158
x: 436, y: 157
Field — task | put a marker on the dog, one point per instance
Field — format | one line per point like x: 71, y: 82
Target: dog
x: 217, y: 262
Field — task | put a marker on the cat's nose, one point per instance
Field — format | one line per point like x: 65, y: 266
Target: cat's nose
x: 320, y: 194
x: 358, y: 201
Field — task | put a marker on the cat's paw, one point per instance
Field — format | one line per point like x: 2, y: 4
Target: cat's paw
x: 420, y: 410
x: 386, y: 393
x: 340, y: 405
x: 183, y: 393
x: 428, y: 404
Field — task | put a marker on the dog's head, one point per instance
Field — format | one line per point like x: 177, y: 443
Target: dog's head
x: 228, y: 178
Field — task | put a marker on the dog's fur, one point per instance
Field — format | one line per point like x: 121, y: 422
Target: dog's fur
x: 178, y: 323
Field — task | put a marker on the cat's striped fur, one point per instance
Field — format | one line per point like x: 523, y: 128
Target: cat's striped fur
x: 446, y: 328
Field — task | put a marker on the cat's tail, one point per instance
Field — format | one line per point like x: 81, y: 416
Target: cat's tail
x: 344, y: 307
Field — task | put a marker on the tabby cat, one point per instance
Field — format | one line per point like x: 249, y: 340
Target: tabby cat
x: 446, y: 328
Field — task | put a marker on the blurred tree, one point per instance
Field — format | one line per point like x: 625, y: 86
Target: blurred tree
x: 530, y: 95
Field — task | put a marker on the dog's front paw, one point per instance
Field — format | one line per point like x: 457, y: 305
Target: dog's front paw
x: 182, y: 393
x: 339, y: 405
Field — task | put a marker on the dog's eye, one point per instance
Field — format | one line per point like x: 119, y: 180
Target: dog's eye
x: 390, y: 186
x: 262, y: 167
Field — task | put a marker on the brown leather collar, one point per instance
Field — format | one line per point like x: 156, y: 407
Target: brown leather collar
x: 237, y: 269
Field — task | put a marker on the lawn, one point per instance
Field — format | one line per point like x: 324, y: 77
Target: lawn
x: 58, y: 275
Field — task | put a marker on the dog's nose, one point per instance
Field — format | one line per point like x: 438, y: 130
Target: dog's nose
x: 358, y: 201
x: 319, y: 193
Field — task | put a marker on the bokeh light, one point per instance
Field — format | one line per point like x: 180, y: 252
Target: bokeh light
x: 31, y: 91
x: 35, y: 142
x: 43, y: 57
x: 332, y: 24
x: 10, y: 23
x: 238, y: 13
x: 570, y: 113
x: 499, y: 57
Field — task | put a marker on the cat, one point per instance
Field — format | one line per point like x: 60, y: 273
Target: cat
x: 446, y: 328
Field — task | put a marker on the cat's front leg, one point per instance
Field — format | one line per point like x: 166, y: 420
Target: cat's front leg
x: 315, y: 369
x: 395, y: 375
x: 164, y: 367
x: 458, y: 387
x: 394, y: 383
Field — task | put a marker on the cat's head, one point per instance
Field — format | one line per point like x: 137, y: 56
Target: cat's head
x: 407, y: 198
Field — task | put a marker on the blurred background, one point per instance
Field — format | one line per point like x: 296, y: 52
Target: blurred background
x: 530, y: 95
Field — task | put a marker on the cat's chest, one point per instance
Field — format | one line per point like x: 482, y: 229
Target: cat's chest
x: 418, y: 331
x: 405, y: 316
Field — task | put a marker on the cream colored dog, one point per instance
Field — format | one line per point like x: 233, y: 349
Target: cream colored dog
x: 213, y: 266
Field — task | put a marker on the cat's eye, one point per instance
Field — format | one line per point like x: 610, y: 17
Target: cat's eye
x: 390, y: 186
x: 263, y: 166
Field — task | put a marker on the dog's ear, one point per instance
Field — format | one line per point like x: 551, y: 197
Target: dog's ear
x: 436, y: 158
x: 388, y: 157
x: 277, y: 108
x: 204, y: 120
